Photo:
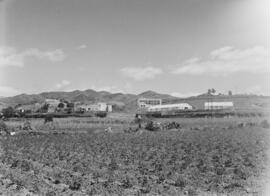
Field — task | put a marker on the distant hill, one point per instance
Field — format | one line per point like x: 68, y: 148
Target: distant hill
x: 128, y: 102
x: 153, y: 94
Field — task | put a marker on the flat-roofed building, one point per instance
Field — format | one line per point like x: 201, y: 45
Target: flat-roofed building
x: 98, y: 107
x: 147, y: 102
x: 218, y: 105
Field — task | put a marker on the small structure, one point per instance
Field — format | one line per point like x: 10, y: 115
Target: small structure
x: 169, y: 107
x: 218, y: 105
x: 147, y: 102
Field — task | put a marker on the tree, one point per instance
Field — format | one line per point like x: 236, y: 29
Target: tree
x: 70, y: 105
x: 61, y: 105
x: 44, y: 108
x: 211, y: 91
x: 8, y: 112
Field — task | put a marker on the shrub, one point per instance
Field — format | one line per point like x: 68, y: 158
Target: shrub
x: 265, y: 124
x: 8, y: 112
x: 151, y: 126
x: 61, y: 105
x: 3, y: 127
x: 101, y: 114
x: 180, y: 182
x: 48, y: 118
x: 27, y: 125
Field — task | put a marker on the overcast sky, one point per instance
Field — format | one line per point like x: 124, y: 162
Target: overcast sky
x: 179, y: 47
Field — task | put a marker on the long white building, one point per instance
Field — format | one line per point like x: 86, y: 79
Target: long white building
x: 218, y: 105
x: 169, y: 107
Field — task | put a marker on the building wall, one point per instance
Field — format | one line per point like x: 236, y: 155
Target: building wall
x: 145, y: 102
x: 169, y: 107
x: 103, y: 107
x: 109, y: 108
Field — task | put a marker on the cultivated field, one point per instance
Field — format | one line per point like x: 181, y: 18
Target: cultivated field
x: 75, y: 156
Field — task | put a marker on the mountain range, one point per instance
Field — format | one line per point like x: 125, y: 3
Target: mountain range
x: 119, y: 100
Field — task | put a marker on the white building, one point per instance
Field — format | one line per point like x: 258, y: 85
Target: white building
x: 104, y: 107
x: 218, y: 105
x: 169, y: 107
x: 99, y: 107
x: 147, y: 102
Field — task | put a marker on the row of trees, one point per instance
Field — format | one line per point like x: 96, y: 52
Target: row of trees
x: 213, y: 91
x: 12, y: 112
x: 63, y: 106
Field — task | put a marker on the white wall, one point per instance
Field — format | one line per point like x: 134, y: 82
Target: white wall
x: 169, y: 107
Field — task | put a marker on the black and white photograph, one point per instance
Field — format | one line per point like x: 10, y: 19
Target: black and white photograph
x: 135, y: 97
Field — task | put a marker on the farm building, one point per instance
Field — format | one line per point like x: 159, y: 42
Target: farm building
x: 218, y: 105
x: 99, y: 107
x: 147, y: 102
x: 169, y: 107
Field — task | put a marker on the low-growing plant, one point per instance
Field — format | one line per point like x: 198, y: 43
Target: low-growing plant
x: 3, y: 128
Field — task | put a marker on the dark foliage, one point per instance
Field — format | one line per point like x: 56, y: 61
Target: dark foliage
x: 8, y: 112
x: 101, y: 114
x: 48, y: 118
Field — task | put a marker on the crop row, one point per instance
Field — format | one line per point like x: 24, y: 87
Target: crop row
x: 223, y: 161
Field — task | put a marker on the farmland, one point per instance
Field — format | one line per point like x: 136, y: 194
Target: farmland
x: 75, y: 156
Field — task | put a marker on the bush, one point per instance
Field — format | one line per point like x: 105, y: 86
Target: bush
x: 48, y: 118
x: 265, y: 124
x: 61, y: 105
x: 151, y: 126
x: 180, y: 182
x: 3, y: 127
x: 101, y: 114
x: 8, y: 112
x: 27, y: 125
